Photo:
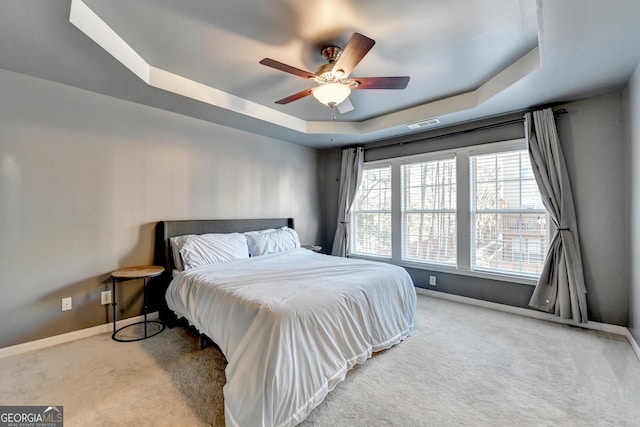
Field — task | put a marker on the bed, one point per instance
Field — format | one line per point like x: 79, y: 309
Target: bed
x: 291, y: 323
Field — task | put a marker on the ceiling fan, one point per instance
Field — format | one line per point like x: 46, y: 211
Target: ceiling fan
x: 334, y: 84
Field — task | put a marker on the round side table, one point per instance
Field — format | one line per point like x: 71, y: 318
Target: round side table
x: 131, y: 273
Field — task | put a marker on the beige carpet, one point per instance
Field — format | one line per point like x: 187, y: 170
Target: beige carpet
x: 462, y: 365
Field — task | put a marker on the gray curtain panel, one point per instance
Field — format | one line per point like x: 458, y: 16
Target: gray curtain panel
x: 560, y: 289
x: 350, y: 176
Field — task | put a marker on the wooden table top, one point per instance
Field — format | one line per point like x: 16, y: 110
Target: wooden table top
x: 138, y: 272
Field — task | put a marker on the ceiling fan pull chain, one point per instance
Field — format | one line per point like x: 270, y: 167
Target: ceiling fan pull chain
x: 333, y: 119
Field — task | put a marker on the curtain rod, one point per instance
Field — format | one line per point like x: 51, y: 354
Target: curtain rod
x: 461, y: 132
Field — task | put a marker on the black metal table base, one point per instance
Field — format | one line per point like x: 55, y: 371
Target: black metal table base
x: 145, y: 322
x: 146, y: 334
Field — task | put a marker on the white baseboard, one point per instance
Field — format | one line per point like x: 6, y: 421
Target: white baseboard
x: 108, y: 327
x: 596, y: 326
x: 71, y: 336
x: 634, y: 343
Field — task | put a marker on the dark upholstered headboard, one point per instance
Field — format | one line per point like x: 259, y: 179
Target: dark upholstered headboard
x: 168, y: 229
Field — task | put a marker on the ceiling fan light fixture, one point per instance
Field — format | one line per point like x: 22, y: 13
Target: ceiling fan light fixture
x: 333, y: 77
x: 331, y: 94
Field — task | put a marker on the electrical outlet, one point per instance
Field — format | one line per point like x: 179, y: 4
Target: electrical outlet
x: 66, y: 304
x: 105, y: 297
x: 432, y: 280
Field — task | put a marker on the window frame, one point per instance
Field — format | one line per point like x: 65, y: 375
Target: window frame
x: 353, y: 213
x: 463, y: 207
x: 403, y: 211
x: 503, y: 148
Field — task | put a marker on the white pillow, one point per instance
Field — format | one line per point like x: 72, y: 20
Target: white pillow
x: 270, y: 241
x: 176, y: 245
x: 213, y: 248
x: 266, y: 230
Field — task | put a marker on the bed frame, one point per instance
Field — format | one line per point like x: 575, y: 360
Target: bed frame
x: 164, y: 257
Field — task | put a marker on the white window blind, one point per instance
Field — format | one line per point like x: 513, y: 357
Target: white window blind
x: 371, y: 213
x: 508, y: 220
x: 475, y: 210
x: 429, y: 211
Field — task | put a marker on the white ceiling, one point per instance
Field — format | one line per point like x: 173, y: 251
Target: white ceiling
x: 467, y: 59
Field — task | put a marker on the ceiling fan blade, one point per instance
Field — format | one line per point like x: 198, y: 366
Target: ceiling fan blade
x: 356, y: 48
x: 399, y: 82
x: 287, y: 68
x: 345, y: 106
x: 294, y: 97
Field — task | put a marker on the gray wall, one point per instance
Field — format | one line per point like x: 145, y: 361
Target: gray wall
x: 632, y: 126
x: 592, y: 137
x: 84, y: 177
x: 329, y: 163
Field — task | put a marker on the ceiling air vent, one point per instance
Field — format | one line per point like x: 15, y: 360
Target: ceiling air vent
x: 424, y: 124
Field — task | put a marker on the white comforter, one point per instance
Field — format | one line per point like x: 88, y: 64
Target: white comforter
x: 291, y: 325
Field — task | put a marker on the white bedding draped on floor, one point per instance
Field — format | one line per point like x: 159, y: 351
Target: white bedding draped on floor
x: 292, y: 324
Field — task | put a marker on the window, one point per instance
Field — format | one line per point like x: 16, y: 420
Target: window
x: 371, y: 214
x: 508, y: 219
x: 429, y: 211
x: 474, y: 210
